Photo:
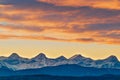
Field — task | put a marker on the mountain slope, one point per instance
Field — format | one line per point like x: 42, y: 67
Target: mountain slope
x: 16, y: 62
x: 66, y: 70
x: 4, y: 71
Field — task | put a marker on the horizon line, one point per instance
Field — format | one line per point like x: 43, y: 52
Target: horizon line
x: 58, y: 56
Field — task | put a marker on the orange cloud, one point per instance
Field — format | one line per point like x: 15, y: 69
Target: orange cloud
x: 68, y: 20
x: 93, y: 3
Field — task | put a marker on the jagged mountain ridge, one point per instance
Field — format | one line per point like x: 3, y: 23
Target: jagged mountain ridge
x: 15, y: 62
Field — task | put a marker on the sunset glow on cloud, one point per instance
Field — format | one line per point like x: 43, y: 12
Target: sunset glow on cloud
x: 81, y: 21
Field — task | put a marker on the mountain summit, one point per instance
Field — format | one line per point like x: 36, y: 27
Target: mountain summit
x: 14, y: 61
x: 61, y: 58
x: 112, y: 58
x: 14, y: 56
x: 77, y: 57
x: 40, y: 57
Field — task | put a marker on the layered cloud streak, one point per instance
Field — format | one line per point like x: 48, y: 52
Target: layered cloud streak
x: 88, y: 21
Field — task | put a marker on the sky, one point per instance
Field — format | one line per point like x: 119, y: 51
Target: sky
x: 60, y: 27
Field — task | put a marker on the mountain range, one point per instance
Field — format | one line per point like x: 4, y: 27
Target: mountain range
x: 15, y: 62
x: 71, y: 70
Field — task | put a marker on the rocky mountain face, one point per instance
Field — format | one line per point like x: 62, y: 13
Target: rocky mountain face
x: 15, y: 62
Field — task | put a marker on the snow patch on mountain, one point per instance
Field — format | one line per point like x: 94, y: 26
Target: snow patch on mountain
x: 15, y: 62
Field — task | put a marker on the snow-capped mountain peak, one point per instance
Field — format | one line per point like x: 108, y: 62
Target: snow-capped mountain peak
x: 78, y: 56
x: 61, y: 58
x: 14, y: 61
x: 14, y: 56
x: 40, y: 56
x: 112, y: 58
